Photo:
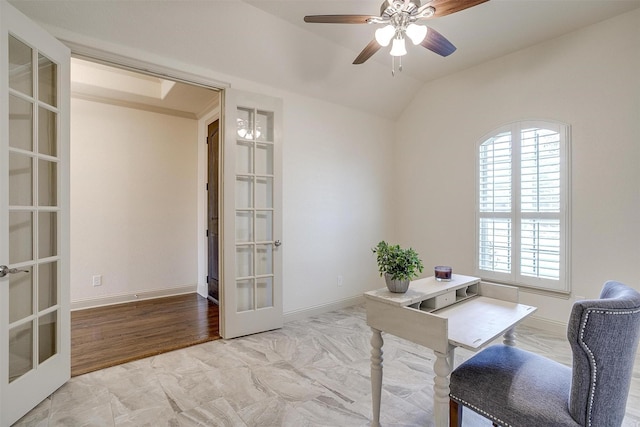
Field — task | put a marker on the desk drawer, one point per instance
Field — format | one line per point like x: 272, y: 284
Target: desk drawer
x: 440, y: 301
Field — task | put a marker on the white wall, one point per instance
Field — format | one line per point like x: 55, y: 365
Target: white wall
x: 133, y: 201
x: 589, y: 79
x: 337, y: 187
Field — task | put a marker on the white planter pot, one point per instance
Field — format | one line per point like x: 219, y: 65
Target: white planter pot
x: 396, y: 286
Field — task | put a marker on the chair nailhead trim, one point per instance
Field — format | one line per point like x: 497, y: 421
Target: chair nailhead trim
x: 480, y: 411
x: 592, y: 360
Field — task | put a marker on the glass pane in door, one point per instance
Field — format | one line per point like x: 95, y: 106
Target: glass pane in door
x: 20, y: 350
x: 244, y: 226
x: 264, y: 126
x: 21, y: 296
x: 264, y: 292
x: 244, y: 261
x: 47, y: 335
x: 264, y: 259
x: 47, y: 130
x: 47, y: 285
x: 244, y: 157
x: 245, y: 123
x: 20, y: 68
x: 264, y: 226
x: 244, y: 295
x: 244, y: 192
x: 264, y: 159
x: 47, y: 76
x: 20, y: 179
x: 20, y: 237
x: 264, y: 192
x: 47, y: 234
x: 20, y: 123
x: 47, y: 183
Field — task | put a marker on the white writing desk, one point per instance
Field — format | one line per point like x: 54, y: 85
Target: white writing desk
x: 441, y: 316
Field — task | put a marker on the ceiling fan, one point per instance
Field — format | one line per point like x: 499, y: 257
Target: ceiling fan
x: 399, y: 18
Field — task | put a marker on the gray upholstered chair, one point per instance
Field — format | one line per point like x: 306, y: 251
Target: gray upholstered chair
x: 513, y: 387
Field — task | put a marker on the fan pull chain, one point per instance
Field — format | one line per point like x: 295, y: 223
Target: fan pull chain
x: 393, y: 65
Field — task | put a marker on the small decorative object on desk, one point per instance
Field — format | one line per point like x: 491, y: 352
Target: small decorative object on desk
x: 398, y: 265
x: 443, y: 273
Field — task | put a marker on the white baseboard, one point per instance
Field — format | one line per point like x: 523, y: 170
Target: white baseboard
x: 547, y: 325
x: 323, y: 308
x: 555, y: 327
x: 129, y: 297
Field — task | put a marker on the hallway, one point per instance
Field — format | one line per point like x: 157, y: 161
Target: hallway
x: 111, y: 335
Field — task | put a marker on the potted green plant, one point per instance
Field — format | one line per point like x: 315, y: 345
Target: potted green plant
x: 398, y: 265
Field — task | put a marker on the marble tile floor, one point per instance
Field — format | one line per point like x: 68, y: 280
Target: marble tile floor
x: 312, y: 372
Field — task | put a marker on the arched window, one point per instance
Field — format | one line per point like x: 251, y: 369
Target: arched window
x: 522, y: 209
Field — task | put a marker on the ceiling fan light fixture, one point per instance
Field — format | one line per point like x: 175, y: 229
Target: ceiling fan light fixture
x: 385, y: 34
x: 398, y: 48
x: 416, y: 33
x: 398, y: 21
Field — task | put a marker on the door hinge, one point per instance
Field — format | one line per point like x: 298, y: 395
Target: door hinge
x: 207, y: 279
x: 207, y: 233
x: 206, y: 140
x: 207, y: 184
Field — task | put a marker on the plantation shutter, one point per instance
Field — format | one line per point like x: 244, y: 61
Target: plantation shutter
x: 540, y: 203
x: 495, y: 203
x: 522, y: 205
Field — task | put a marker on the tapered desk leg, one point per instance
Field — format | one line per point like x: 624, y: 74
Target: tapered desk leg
x: 376, y: 375
x: 442, y: 368
x: 509, y: 337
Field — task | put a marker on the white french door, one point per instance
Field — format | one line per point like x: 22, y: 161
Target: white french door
x: 251, y: 291
x: 34, y: 215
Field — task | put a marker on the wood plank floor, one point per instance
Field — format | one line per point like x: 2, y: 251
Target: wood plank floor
x: 111, y: 335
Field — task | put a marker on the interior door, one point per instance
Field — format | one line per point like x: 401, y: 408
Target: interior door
x: 213, y: 234
x: 251, y: 291
x: 34, y: 215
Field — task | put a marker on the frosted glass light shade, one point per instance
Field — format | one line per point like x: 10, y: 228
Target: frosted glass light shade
x: 416, y: 33
x: 398, y: 48
x: 385, y: 34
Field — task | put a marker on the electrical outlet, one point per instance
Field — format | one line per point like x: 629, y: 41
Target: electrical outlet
x: 96, y: 280
x: 339, y: 281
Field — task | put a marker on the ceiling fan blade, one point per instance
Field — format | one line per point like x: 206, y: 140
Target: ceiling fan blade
x: 447, y: 7
x: 338, y: 19
x: 367, y: 52
x: 437, y: 43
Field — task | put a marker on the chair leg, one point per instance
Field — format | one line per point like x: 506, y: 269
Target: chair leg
x: 455, y: 414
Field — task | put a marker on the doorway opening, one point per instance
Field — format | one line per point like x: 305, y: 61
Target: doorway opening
x: 136, y: 186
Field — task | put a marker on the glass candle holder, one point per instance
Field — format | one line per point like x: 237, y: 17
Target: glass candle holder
x: 442, y: 273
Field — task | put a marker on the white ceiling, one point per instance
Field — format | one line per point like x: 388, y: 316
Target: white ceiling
x: 480, y: 33
x: 266, y: 41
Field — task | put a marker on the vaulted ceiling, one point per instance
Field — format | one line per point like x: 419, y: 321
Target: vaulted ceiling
x: 266, y: 41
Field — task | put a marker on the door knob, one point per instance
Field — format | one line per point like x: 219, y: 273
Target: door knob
x: 4, y: 270
x: 277, y: 243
